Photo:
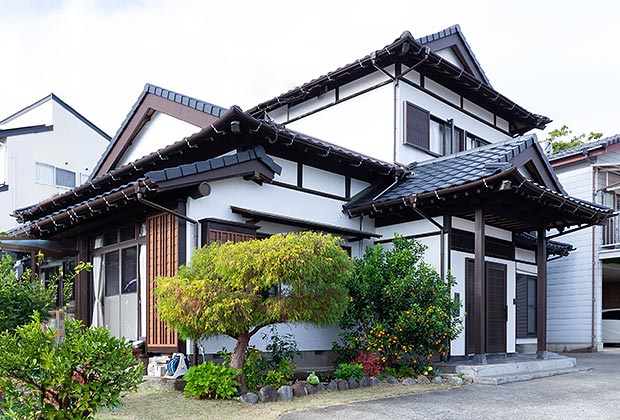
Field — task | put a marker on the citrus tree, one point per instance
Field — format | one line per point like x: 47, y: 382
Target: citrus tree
x: 400, y: 308
x: 236, y: 289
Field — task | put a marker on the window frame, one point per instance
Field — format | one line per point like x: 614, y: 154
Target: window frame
x: 54, y: 175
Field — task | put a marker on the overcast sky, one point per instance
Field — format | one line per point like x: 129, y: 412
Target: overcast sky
x: 556, y: 58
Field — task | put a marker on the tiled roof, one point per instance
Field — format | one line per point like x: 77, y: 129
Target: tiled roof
x: 529, y: 241
x: 461, y: 168
x: 406, y: 49
x: 586, y: 147
x: 188, y: 101
x: 257, y: 152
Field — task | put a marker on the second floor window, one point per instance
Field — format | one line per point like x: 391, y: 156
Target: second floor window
x: 50, y: 175
x: 434, y: 135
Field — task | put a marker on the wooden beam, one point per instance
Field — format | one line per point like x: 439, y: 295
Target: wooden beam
x: 479, y: 289
x: 541, y: 295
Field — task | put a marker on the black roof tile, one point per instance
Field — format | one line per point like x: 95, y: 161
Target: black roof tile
x: 584, y: 148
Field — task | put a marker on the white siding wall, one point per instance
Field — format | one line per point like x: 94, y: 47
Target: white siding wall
x: 569, y: 287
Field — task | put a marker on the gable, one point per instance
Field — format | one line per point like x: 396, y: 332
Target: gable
x: 159, y: 131
x: 451, y: 44
x: 154, y: 100
x: 37, y: 114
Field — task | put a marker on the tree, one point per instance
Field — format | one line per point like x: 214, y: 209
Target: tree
x: 560, y: 140
x: 236, y: 289
x: 400, y: 308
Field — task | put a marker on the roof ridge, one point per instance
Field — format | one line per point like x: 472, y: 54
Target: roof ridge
x: 526, y: 138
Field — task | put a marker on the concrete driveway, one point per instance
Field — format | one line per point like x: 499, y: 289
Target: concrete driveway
x: 588, y: 395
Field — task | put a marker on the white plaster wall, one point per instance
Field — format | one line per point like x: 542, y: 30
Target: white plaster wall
x: 320, y: 180
x: 72, y: 145
x: 363, y: 124
x: 405, y: 92
x: 161, y: 131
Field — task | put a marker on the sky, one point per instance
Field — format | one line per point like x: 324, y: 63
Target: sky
x: 556, y: 58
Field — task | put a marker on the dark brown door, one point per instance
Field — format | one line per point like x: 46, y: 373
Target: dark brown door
x: 495, y: 307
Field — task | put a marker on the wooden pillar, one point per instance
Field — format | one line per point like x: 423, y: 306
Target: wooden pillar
x: 479, y: 290
x: 541, y: 295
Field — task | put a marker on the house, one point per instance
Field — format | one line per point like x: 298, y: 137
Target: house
x: 474, y: 188
x: 46, y: 148
x: 587, y: 281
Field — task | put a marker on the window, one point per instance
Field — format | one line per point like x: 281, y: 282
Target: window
x: 429, y: 133
x: 121, y: 255
x: 526, y: 306
x: 50, y: 175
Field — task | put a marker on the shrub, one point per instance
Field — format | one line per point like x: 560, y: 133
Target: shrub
x: 275, y: 378
x: 312, y: 379
x: 371, y: 363
x: 400, y: 307
x: 282, y: 347
x: 346, y: 371
x: 254, y: 368
x: 208, y: 380
x: 20, y: 297
x: 74, y: 379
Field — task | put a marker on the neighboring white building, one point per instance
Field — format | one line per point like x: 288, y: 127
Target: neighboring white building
x: 588, y: 280
x: 45, y: 149
x: 472, y: 188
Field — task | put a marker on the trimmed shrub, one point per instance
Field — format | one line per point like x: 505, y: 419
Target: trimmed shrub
x: 208, y: 380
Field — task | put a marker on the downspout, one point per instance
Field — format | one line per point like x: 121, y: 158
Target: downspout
x: 594, y: 189
x: 142, y: 200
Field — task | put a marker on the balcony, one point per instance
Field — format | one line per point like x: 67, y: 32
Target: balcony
x: 611, y: 233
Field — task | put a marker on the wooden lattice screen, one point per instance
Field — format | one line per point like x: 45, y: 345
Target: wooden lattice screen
x: 162, y: 252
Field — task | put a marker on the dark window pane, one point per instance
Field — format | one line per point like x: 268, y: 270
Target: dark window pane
x: 128, y: 233
x: 111, y: 273
x: 612, y: 315
x: 110, y: 238
x: 130, y: 270
x: 65, y: 178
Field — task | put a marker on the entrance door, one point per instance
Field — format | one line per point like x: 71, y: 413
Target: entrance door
x: 495, y: 307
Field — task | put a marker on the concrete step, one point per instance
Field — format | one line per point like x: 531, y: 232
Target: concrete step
x: 525, y: 376
x: 516, y: 366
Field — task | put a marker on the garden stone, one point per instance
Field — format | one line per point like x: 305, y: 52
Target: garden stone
x: 391, y: 380
x: 332, y: 386
x: 353, y: 384
x: 299, y: 390
x: 365, y: 382
x: 374, y: 381
x: 409, y: 381
x: 268, y: 394
x: 437, y: 380
x: 321, y: 387
x: 455, y: 380
x: 342, y: 385
x: 310, y: 389
x: 285, y: 393
x: 250, y: 398
x: 423, y: 379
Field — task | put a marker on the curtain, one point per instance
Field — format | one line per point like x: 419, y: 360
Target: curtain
x: 97, y: 319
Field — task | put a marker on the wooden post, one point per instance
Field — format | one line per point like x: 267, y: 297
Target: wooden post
x: 541, y: 295
x: 479, y: 290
